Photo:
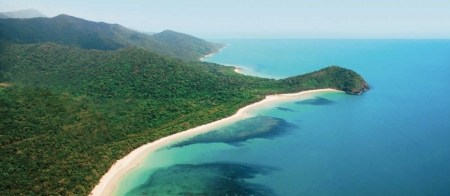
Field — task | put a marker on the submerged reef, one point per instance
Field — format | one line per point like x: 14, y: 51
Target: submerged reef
x: 209, y: 179
x: 316, y: 101
x: 241, y: 131
x: 285, y: 109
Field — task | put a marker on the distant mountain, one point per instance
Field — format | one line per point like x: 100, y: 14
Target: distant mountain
x: 77, y: 32
x: 187, y: 42
x: 28, y: 13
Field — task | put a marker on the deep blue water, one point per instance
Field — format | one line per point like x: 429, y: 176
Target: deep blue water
x: 392, y: 140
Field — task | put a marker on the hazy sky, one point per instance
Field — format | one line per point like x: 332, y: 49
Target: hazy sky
x: 261, y: 18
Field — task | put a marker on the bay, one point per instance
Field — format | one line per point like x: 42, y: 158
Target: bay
x: 392, y: 140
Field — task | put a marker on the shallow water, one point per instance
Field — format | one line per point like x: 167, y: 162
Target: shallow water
x: 392, y: 140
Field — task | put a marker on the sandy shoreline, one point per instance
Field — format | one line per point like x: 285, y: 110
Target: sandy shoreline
x: 212, y: 53
x: 206, y: 56
x: 121, y: 167
x: 237, y: 69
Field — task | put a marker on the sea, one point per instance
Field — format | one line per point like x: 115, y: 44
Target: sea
x: 391, y: 140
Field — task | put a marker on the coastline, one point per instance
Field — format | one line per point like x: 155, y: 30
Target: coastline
x: 208, y: 55
x: 212, y: 53
x: 237, y: 69
x: 120, y: 168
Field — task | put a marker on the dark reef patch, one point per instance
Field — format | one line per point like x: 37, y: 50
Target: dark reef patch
x: 285, y: 109
x: 316, y: 101
x: 208, y: 179
x: 241, y: 131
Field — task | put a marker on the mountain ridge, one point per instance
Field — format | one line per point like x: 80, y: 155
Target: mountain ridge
x: 27, y: 13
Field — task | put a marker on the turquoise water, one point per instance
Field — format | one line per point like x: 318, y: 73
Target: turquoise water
x: 392, y: 140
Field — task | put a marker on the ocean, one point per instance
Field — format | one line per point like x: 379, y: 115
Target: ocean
x: 392, y: 140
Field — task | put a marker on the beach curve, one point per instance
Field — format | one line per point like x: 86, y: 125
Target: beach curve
x: 120, y: 168
x: 212, y: 53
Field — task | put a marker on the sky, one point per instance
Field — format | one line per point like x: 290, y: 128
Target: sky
x: 217, y: 19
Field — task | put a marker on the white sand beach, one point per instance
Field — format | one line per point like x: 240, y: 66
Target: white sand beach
x: 206, y: 56
x: 110, y: 180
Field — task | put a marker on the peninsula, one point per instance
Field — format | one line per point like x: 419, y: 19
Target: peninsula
x: 87, y: 94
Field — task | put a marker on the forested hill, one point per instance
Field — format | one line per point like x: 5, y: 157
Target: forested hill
x: 186, y: 42
x: 77, y: 32
x: 331, y: 77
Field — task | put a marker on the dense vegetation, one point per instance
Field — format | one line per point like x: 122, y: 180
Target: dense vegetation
x: 68, y: 113
x: 333, y: 77
x: 77, y: 32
